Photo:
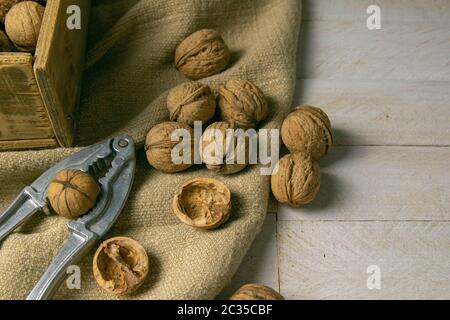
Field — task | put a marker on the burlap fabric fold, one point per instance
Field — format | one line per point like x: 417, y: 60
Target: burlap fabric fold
x: 130, y: 68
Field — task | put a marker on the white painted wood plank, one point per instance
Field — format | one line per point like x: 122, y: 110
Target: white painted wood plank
x: 380, y: 183
x: 382, y: 112
x: 398, y: 10
x: 329, y: 260
x: 399, y: 51
x: 260, y: 265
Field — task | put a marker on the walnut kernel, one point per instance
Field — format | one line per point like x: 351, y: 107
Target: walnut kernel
x: 256, y: 292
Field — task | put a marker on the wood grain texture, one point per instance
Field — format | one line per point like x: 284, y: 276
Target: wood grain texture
x: 347, y: 50
x: 329, y: 260
x: 380, y: 183
x: 59, y: 65
x: 28, y: 144
x: 370, y: 112
x: 22, y: 112
x: 260, y: 265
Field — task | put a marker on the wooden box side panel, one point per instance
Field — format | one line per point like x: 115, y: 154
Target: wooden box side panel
x: 59, y: 65
x: 22, y: 112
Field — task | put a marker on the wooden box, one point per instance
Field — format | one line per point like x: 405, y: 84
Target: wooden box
x: 39, y: 94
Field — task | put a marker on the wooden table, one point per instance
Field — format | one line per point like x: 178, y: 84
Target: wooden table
x: 384, y: 203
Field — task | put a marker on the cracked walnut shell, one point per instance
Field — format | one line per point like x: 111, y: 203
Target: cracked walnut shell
x: 256, y: 292
x: 23, y: 23
x: 203, y: 203
x: 202, y: 54
x: 72, y: 193
x: 120, y: 265
x: 159, y: 146
x: 296, y: 180
x: 223, y: 153
x: 242, y: 102
x: 307, y: 129
x: 191, y: 101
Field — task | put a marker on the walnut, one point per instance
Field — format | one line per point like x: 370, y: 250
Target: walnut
x: 23, y: 23
x: 5, y: 44
x: 296, y: 179
x: 5, y: 5
x: 243, y: 102
x: 203, y: 203
x: 159, y: 145
x: 307, y: 129
x: 120, y: 265
x: 256, y: 292
x: 220, y: 144
x: 72, y: 193
x: 202, y: 54
x: 191, y: 101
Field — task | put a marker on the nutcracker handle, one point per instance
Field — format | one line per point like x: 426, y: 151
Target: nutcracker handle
x: 22, y: 208
x: 75, y: 247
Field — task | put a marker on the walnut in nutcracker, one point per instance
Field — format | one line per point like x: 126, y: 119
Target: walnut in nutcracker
x: 191, y: 101
x: 307, y: 129
x: 72, y: 193
x: 242, y: 102
x: 120, y: 265
x: 202, y: 54
x: 296, y: 179
x: 256, y: 292
x: 23, y: 24
x: 160, y: 146
x: 223, y: 148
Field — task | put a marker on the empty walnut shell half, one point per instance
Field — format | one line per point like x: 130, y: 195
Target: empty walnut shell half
x: 23, y: 24
x: 203, y: 203
x: 120, y: 265
x: 190, y: 102
x: 307, y: 129
x: 159, y: 146
x: 222, y: 150
x: 72, y: 193
x: 242, y: 102
x: 296, y: 179
x: 256, y: 292
x: 202, y: 54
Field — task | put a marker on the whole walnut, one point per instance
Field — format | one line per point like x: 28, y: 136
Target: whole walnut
x: 5, y: 44
x: 296, y: 179
x: 120, y: 265
x: 243, y: 102
x: 159, y: 145
x: 72, y: 193
x: 256, y: 292
x: 202, y: 54
x: 220, y: 144
x: 191, y: 101
x: 23, y: 23
x: 307, y: 129
x: 5, y: 5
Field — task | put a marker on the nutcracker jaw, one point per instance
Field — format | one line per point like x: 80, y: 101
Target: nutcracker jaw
x: 112, y: 164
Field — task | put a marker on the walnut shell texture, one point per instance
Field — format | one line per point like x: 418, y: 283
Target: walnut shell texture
x: 243, y: 102
x: 297, y: 180
x: 256, y: 292
x: 202, y: 54
x: 218, y: 148
x: 307, y: 129
x: 120, y: 265
x: 159, y: 146
x: 23, y: 24
x: 191, y: 101
x: 5, y: 5
x: 72, y: 193
x: 203, y: 203
x: 5, y: 44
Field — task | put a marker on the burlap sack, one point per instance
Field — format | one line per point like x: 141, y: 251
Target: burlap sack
x: 131, y: 68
